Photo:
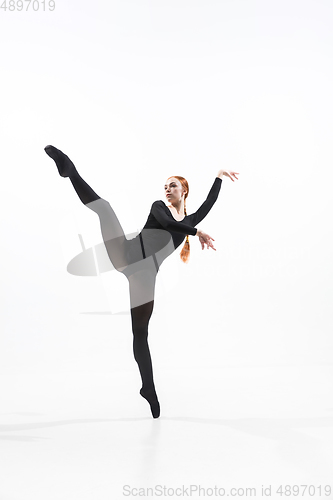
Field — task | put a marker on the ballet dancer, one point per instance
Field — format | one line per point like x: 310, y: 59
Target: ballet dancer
x: 139, y: 259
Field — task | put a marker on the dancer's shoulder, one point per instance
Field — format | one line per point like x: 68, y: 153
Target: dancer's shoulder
x: 158, y: 203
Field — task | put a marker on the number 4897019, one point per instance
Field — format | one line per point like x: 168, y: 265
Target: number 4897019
x: 35, y: 5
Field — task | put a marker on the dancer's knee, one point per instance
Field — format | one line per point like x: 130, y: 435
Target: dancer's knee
x: 100, y: 206
x: 140, y: 331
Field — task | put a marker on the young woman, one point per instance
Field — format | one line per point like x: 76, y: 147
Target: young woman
x: 139, y: 259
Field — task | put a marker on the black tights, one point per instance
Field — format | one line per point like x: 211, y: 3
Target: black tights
x: 115, y: 246
x: 140, y: 319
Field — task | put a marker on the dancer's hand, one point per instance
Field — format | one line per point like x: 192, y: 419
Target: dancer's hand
x: 228, y: 173
x: 205, y: 239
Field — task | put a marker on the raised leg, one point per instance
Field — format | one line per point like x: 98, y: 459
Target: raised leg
x: 114, y: 238
x: 112, y: 232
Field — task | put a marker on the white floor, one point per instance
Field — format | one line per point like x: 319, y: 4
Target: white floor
x: 89, y: 435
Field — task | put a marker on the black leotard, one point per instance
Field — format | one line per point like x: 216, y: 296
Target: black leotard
x: 162, y: 234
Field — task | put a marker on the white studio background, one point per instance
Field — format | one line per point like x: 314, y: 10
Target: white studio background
x: 137, y: 91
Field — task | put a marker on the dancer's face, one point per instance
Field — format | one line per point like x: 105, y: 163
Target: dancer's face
x: 173, y: 190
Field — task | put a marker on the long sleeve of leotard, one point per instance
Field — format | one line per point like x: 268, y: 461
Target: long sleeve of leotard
x: 208, y: 203
x: 168, y: 223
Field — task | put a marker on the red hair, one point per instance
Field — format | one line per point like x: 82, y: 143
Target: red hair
x: 185, y: 253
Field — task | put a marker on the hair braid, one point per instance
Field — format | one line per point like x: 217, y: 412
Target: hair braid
x: 185, y: 253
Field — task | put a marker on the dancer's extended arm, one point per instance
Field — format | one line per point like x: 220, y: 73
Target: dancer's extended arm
x: 212, y: 195
x: 209, y: 201
x: 207, y: 205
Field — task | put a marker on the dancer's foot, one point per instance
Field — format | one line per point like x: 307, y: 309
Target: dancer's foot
x: 64, y: 164
x: 151, y: 397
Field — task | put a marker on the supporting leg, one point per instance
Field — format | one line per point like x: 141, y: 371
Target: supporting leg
x: 140, y: 319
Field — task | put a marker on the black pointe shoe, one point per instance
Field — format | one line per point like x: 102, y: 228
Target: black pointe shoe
x: 64, y: 164
x: 150, y: 396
